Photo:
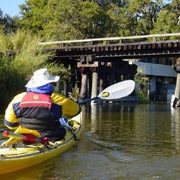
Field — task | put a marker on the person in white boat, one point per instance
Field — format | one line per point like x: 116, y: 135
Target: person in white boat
x: 40, y: 108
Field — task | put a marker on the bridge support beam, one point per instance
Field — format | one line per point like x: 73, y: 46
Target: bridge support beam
x: 84, y: 85
x: 175, y: 99
x: 94, y: 85
x: 177, y: 90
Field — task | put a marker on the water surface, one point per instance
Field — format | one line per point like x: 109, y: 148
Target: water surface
x: 119, y: 142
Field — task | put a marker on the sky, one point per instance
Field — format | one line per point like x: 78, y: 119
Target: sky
x: 11, y: 7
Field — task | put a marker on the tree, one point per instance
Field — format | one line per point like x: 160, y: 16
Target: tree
x: 75, y: 20
x: 8, y: 24
x: 168, y: 20
x: 34, y: 15
x: 64, y: 19
x: 120, y: 21
x: 80, y: 19
x: 143, y: 15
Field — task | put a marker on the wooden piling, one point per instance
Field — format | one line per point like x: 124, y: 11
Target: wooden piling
x: 83, y: 85
x: 177, y: 90
x: 94, y: 84
x: 175, y: 99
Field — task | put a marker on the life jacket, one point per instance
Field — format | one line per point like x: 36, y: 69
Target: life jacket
x: 35, y: 114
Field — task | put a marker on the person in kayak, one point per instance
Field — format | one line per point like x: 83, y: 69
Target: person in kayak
x: 40, y: 108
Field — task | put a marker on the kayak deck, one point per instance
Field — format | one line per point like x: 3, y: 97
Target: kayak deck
x: 18, y: 157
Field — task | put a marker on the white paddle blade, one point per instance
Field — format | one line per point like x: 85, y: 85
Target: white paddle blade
x: 117, y: 90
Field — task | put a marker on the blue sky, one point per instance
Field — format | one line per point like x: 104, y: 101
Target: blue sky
x: 11, y: 7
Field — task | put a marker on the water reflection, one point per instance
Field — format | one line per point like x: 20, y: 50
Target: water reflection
x: 140, y: 128
x: 175, y: 126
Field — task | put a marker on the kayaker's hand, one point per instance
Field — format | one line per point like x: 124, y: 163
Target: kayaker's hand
x: 63, y: 122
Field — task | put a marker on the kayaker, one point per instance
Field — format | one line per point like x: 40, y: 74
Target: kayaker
x: 40, y: 107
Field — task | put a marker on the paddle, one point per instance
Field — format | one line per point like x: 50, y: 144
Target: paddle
x: 2, y: 130
x: 26, y: 137
x: 115, y: 91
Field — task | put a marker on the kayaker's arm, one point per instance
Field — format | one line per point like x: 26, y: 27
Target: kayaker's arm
x: 10, y: 119
x: 70, y: 108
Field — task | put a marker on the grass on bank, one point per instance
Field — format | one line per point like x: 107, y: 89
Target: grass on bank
x: 15, y: 70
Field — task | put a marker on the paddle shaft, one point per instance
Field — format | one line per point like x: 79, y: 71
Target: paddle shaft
x: 88, y: 100
x: 2, y: 130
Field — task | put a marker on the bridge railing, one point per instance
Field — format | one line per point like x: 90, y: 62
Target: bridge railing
x: 153, y: 36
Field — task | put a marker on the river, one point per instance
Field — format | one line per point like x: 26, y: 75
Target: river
x: 119, y: 142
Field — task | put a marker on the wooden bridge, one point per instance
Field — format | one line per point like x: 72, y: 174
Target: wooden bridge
x: 100, y: 60
x: 122, y: 48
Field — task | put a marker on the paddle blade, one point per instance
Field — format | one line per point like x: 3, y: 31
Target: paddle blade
x: 118, y: 90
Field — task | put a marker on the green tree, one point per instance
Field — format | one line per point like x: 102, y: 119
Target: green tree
x: 75, y: 20
x: 34, y: 15
x: 143, y: 15
x: 120, y: 22
x: 8, y: 24
x: 168, y: 20
x: 69, y: 19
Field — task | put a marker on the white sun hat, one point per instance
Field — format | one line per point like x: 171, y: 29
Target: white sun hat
x: 41, y: 77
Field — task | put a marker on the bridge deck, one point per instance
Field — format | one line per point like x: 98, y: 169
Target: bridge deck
x: 170, y: 48
x: 124, y: 50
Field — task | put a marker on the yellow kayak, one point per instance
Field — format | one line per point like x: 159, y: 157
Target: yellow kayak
x: 14, y: 158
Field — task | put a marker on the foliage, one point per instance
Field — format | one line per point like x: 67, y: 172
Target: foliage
x: 34, y: 14
x: 64, y: 19
x: 10, y: 80
x: 14, y: 41
x: 75, y: 93
x: 120, y: 24
x: 8, y: 24
x: 15, y: 70
x: 80, y: 19
x: 143, y: 15
x: 168, y: 20
x: 142, y: 86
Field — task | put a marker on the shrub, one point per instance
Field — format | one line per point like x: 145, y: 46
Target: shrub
x: 14, y: 69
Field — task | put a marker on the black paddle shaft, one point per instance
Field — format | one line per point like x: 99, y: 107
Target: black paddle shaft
x: 88, y: 100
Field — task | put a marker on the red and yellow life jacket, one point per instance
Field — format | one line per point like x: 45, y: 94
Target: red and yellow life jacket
x: 35, y: 114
